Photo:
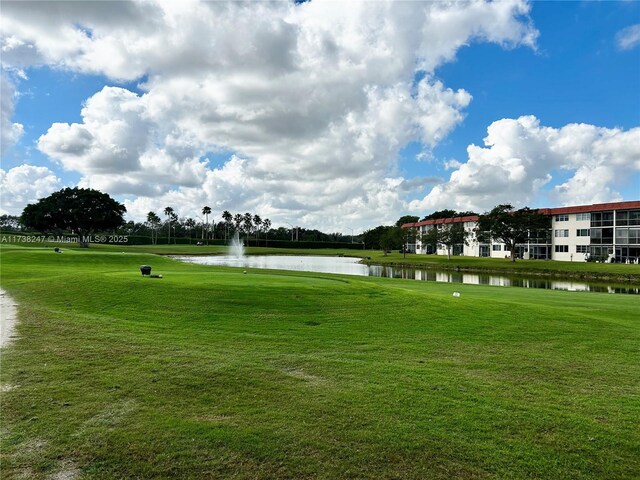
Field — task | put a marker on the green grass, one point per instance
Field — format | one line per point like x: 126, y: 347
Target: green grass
x: 211, y: 373
x: 576, y: 270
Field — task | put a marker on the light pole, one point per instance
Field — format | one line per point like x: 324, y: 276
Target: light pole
x: 291, y: 230
x: 349, y: 228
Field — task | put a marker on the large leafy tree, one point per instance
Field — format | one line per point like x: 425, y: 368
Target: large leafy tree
x: 406, y: 219
x: 431, y: 238
x: 447, y: 214
x: 391, y: 237
x: 83, y: 211
x: 450, y: 234
x: 512, y: 227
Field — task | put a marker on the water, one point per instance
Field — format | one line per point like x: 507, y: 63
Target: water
x: 351, y: 266
x: 236, y: 249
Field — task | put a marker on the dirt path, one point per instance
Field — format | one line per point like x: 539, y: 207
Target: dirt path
x: 7, y: 318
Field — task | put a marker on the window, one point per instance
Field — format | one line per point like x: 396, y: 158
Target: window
x: 622, y: 218
x: 583, y: 217
x: 602, y: 219
x: 582, y: 248
x: 496, y: 248
x: 634, y: 236
x: 562, y: 218
x: 562, y: 248
x: 629, y: 217
x: 622, y: 235
x: 582, y: 232
x: 561, y: 233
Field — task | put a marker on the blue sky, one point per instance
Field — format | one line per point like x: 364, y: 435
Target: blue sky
x: 327, y: 146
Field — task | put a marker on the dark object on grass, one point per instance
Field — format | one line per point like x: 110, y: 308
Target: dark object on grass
x: 145, y: 269
x: 56, y: 249
x: 155, y: 276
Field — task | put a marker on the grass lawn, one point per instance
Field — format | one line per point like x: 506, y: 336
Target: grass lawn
x: 577, y: 270
x: 212, y: 373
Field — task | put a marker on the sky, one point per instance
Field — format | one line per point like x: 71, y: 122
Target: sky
x: 338, y: 116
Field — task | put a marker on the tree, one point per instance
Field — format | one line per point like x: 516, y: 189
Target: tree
x: 257, y: 222
x: 431, y: 237
x: 406, y: 219
x: 168, y: 211
x: 10, y: 223
x: 81, y: 210
x: 153, y: 221
x: 237, y: 220
x: 266, y: 224
x: 450, y: 234
x: 206, y: 211
x: 511, y: 227
x: 247, y: 223
x: 228, y: 219
x: 408, y: 234
x: 190, y: 225
x: 391, y: 238
x: 173, y: 218
x: 448, y: 214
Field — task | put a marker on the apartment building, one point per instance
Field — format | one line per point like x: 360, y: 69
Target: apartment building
x: 606, y: 232
x: 603, y: 232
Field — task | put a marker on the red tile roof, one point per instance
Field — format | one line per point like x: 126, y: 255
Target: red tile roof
x: 597, y: 207
x: 439, y: 221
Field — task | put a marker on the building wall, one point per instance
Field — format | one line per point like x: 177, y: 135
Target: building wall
x: 570, y: 237
x: 576, y: 234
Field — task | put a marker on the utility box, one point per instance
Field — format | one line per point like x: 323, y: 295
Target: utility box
x: 145, y: 269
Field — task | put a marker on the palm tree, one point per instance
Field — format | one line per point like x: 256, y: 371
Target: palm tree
x: 237, y: 219
x: 173, y: 218
x: 257, y: 222
x: 248, y: 223
x: 266, y: 224
x: 168, y: 211
x: 228, y: 218
x: 190, y: 224
x: 153, y: 220
x: 206, y: 211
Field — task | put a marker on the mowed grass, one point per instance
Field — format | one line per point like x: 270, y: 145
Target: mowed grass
x: 212, y: 373
x: 578, y: 269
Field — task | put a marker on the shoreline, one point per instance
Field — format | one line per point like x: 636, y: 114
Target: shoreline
x: 8, y: 318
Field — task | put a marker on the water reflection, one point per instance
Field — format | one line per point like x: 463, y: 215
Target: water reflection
x: 351, y: 266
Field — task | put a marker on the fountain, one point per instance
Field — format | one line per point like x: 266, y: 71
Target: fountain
x: 237, y: 247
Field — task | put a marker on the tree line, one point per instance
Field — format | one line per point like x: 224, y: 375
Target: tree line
x: 85, y: 211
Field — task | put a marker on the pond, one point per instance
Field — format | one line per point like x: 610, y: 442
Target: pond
x: 352, y: 266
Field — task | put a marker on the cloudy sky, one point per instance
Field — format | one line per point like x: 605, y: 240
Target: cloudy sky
x: 329, y: 115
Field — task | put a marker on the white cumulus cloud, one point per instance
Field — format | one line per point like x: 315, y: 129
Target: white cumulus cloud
x: 518, y: 156
x: 25, y: 184
x: 10, y: 132
x: 314, y: 101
